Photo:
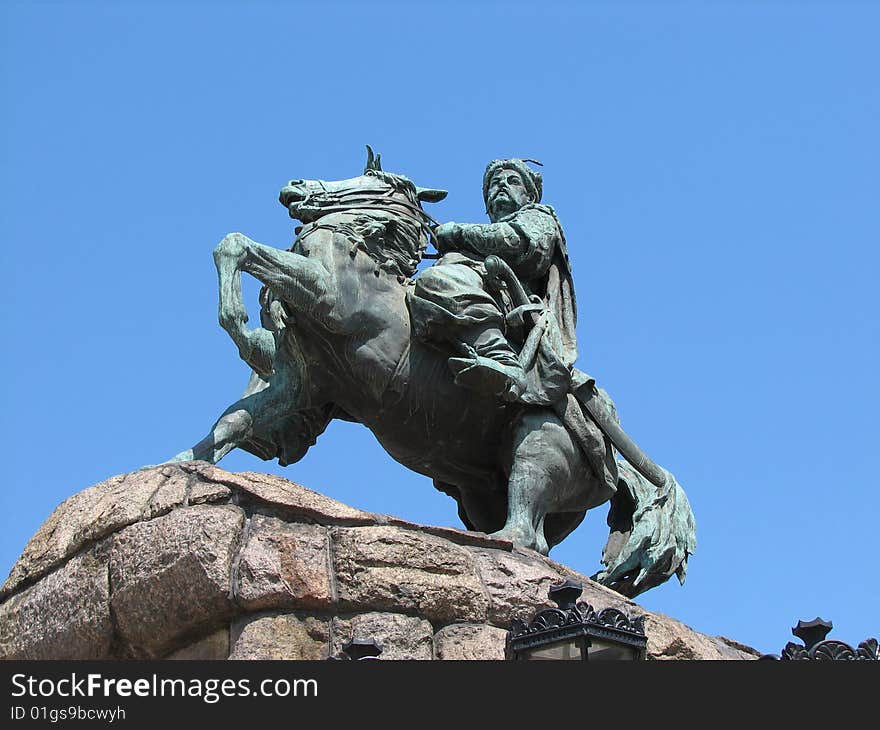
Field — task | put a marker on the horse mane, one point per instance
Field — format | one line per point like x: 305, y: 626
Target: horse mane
x: 398, y: 246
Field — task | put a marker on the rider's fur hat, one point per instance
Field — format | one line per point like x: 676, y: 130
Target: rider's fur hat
x: 531, y: 178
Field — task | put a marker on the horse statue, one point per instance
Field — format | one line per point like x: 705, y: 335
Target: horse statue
x: 335, y: 341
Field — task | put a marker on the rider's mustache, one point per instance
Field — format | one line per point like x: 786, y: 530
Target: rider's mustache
x: 503, y: 189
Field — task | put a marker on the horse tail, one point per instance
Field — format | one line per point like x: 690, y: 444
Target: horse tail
x: 653, y: 533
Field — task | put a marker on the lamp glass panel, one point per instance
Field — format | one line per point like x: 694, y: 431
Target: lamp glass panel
x: 563, y: 650
x: 604, y: 651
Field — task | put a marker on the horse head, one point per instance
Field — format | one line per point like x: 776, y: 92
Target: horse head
x: 375, y: 192
x: 308, y: 200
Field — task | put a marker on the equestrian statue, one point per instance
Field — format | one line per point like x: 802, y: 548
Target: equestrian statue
x: 464, y: 371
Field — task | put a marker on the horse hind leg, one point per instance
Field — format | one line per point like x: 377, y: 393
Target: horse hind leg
x: 525, y: 516
x: 545, y: 466
x: 256, y: 411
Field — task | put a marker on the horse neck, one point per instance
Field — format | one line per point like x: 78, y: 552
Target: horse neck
x: 363, y: 348
x: 391, y: 229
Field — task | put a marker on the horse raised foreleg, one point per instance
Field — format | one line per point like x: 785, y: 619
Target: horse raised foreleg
x: 255, y: 346
x: 300, y: 281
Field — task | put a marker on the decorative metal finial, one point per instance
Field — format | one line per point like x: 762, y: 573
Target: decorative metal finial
x: 565, y: 594
x: 812, y: 632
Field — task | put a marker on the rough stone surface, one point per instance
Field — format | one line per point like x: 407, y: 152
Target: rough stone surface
x: 172, y: 492
x: 281, y: 636
x: 671, y: 639
x: 463, y: 537
x: 283, y: 564
x: 190, y: 561
x: 469, y: 641
x: 97, y: 512
x: 88, y: 515
x: 517, y: 584
x: 171, y: 576
x: 734, y: 649
x: 289, y: 497
x: 64, y: 616
x: 388, y: 568
x: 401, y: 637
x: 204, y: 492
x: 213, y: 646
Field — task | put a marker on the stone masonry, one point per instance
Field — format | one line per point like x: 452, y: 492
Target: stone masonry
x: 193, y: 562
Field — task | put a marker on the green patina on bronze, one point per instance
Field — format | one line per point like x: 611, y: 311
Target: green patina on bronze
x: 465, y: 372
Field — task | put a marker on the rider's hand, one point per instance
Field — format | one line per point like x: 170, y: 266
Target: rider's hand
x: 448, y: 236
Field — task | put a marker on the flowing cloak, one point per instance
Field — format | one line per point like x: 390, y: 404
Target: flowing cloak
x: 539, y: 225
x: 546, y: 255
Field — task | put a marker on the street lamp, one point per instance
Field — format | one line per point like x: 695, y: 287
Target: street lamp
x: 574, y: 631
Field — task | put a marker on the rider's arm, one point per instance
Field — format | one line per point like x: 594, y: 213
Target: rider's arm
x: 501, y: 239
x: 526, y: 240
x: 540, y: 233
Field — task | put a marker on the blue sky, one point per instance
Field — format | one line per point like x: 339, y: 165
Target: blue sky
x: 715, y: 166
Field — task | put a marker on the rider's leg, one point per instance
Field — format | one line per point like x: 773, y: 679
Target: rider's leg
x: 450, y: 303
x: 489, y: 363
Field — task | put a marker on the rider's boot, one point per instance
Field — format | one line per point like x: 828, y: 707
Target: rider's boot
x: 490, y: 365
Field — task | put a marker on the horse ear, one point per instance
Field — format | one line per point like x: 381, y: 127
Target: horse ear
x: 373, y: 162
x: 430, y: 195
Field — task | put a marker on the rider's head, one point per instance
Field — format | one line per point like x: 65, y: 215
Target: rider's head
x: 508, y: 185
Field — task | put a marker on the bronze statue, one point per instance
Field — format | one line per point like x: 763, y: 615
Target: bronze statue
x: 463, y: 373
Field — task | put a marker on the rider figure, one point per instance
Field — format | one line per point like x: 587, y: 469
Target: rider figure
x: 453, y: 304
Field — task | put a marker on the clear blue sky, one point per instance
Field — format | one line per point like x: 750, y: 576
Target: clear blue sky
x: 715, y: 166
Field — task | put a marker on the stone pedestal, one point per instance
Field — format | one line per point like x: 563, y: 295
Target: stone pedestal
x: 193, y: 562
